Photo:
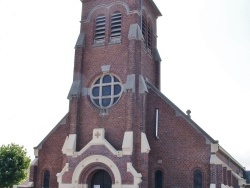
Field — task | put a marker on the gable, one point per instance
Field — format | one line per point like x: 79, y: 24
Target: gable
x: 61, y: 122
x: 179, y: 113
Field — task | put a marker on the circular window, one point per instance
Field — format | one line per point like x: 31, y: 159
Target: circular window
x: 106, y: 91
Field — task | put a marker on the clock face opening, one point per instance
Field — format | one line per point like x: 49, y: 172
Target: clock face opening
x: 106, y: 91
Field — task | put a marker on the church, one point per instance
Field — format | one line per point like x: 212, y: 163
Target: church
x: 120, y: 130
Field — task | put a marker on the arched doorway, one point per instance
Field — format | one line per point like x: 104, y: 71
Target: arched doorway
x: 101, y: 179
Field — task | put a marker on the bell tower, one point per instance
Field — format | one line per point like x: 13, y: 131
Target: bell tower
x: 115, y: 54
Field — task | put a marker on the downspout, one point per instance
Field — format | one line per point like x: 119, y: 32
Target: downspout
x: 141, y: 15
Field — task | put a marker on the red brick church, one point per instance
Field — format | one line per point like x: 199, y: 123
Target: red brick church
x: 121, y: 131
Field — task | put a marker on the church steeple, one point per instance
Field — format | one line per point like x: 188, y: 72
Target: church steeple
x: 115, y: 54
x: 108, y: 29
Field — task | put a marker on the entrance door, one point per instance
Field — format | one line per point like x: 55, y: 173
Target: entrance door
x: 101, y: 179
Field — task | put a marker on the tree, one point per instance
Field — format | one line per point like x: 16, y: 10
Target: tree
x: 13, y: 165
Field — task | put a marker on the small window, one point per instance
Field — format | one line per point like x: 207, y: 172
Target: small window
x: 197, y: 179
x: 46, y: 179
x: 157, y: 123
x: 116, y: 24
x: 158, y: 179
x: 149, y: 44
x: 100, y: 29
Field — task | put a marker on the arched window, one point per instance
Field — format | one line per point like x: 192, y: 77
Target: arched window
x: 46, y: 179
x: 100, y: 29
x: 158, y: 179
x: 116, y: 25
x: 197, y: 179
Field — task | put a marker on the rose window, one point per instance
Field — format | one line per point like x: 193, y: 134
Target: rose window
x: 106, y: 91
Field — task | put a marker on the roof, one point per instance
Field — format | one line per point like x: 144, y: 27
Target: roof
x: 62, y: 121
x: 229, y: 156
x: 155, y: 7
x: 197, y: 127
x: 209, y: 139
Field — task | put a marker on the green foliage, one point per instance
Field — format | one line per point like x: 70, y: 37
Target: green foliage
x: 13, y: 165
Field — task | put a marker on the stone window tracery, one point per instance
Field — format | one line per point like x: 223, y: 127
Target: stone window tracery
x: 106, y: 91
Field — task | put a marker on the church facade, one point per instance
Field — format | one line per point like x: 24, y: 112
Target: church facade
x: 120, y: 130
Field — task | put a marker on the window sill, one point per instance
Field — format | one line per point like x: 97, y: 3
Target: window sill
x: 99, y: 43
x: 115, y: 40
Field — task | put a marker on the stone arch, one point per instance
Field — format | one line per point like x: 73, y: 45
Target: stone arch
x: 90, y: 164
x: 90, y: 170
x: 103, y: 6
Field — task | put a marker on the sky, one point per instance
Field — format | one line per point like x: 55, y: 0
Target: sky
x: 204, y: 46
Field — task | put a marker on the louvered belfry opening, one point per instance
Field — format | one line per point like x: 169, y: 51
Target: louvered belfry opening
x: 116, y: 25
x: 100, y: 29
x: 149, y: 44
x: 144, y: 30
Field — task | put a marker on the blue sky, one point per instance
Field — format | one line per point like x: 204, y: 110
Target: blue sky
x: 205, y: 51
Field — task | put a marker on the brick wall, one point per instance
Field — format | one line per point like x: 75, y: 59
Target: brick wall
x: 50, y: 156
x: 179, y: 150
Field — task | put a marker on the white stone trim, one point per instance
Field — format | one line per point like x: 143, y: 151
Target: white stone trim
x: 130, y: 83
x: 100, y: 140
x: 212, y: 185
x: 142, y: 85
x: 29, y: 184
x: 228, y: 155
x: 241, y: 181
x: 145, y: 148
x: 135, y: 32
x: 224, y: 186
x: 36, y: 151
x: 108, y: 7
x: 127, y: 144
x: 105, y: 68
x: 59, y: 175
x: 137, y: 176
x: 69, y: 146
x: 215, y: 160
x: 94, y: 159
x: 214, y: 148
x: 34, y: 162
